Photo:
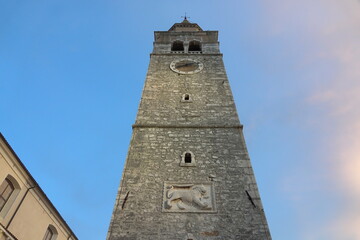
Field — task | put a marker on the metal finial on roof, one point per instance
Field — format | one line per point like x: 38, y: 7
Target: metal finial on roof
x: 185, y: 17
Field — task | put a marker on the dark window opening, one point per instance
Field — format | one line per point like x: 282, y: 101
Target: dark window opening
x: 187, y: 97
x: 6, y: 189
x: 194, y: 46
x: 49, y: 234
x: 187, y: 157
x: 177, y: 46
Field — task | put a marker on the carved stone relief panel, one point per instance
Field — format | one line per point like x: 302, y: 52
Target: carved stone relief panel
x: 189, y: 197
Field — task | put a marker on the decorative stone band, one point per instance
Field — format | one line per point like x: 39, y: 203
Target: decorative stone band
x: 177, y: 53
x: 185, y: 126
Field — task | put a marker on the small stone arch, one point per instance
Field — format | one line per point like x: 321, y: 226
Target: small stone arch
x: 13, y: 181
x: 186, y: 98
x: 187, y: 159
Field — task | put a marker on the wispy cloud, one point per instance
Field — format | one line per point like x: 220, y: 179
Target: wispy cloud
x: 333, y: 30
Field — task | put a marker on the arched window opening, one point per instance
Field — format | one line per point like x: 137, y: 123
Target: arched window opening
x: 50, y: 233
x: 187, y: 157
x: 7, y: 188
x: 194, y: 46
x: 186, y: 98
x: 177, y: 46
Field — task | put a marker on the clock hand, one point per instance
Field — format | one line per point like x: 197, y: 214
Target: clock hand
x: 185, y: 65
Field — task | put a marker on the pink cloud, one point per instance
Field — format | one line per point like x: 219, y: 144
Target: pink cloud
x: 333, y: 28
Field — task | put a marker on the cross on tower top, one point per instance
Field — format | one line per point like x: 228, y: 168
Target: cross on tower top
x: 185, y: 17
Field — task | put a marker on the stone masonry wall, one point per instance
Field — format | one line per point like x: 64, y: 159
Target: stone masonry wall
x: 212, y: 101
x: 209, y: 128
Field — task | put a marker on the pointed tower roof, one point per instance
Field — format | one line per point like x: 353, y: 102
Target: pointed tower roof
x: 185, y: 26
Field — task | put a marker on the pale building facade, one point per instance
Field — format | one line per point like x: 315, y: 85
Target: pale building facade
x: 25, y: 211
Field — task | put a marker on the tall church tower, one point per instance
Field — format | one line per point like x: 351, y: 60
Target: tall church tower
x: 188, y: 174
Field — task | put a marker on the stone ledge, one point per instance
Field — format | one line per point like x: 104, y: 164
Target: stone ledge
x: 186, y: 54
x: 185, y: 126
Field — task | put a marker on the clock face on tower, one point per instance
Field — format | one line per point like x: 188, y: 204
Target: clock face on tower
x: 186, y: 66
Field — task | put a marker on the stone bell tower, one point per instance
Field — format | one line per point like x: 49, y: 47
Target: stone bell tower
x: 188, y: 174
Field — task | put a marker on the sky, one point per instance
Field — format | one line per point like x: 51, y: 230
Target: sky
x: 72, y: 72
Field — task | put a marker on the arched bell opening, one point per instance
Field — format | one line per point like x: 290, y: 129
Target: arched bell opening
x: 177, y: 46
x: 194, y: 46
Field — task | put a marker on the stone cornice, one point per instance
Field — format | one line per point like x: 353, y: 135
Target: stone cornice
x: 186, y: 54
x: 184, y: 126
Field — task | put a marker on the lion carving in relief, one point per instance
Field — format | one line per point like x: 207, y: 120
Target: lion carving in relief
x: 185, y: 196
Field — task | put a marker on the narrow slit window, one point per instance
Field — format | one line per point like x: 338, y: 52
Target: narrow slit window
x: 187, y: 157
x: 187, y: 97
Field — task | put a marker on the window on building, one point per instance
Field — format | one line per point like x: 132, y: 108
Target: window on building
x: 50, y: 233
x: 194, y: 46
x: 6, y: 190
x: 177, y: 46
x: 187, y: 157
x: 9, y: 189
x: 186, y: 98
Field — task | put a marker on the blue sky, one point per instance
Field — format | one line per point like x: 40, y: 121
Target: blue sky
x: 72, y: 72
